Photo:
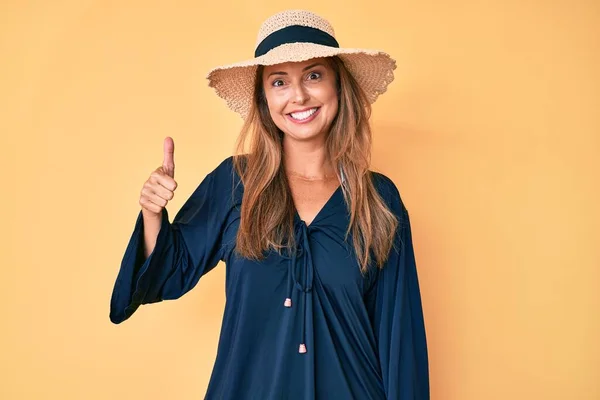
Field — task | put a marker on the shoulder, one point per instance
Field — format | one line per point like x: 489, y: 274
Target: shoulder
x: 225, y: 181
x: 225, y: 171
x: 390, y: 194
x: 224, y: 167
x: 387, y: 189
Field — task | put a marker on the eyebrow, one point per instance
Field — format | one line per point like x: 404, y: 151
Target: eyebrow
x: 303, y: 69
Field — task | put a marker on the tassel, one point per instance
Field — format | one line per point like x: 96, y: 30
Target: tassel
x: 288, y: 302
x: 302, y: 348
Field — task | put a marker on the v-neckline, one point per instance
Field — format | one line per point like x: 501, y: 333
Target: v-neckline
x: 326, y: 205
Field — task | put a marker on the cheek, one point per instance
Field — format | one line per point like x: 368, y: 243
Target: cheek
x: 331, y: 98
x: 276, y: 104
x: 329, y: 91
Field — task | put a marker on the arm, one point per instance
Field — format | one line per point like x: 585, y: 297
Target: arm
x: 151, y: 229
x: 184, y: 250
x: 395, y: 310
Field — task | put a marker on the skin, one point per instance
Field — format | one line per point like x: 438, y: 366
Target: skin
x: 290, y: 87
x: 296, y: 86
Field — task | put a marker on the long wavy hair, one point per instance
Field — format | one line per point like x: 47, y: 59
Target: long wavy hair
x: 267, y: 211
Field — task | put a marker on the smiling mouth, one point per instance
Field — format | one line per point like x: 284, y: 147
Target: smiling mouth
x: 304, y: 115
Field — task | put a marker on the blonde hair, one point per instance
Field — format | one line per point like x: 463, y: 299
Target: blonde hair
x: 268, y: 211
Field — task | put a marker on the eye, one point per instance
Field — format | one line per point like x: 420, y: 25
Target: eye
x: 316, y: 74
x: 274, y: 83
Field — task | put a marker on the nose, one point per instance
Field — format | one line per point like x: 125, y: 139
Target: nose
x: 300, y: 96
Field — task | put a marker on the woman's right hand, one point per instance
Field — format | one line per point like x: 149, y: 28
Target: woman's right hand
x: 161, y: 185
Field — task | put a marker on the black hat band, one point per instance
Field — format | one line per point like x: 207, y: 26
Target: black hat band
x: 295, y: 34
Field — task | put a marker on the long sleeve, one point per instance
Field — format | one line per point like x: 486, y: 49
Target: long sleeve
x: 185, y: 249
x: 394, y: 305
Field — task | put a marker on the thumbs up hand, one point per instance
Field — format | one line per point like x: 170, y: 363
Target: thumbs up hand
x: 161, y: 185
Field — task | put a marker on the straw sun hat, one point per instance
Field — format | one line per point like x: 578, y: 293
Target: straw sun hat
x: 299, y: 35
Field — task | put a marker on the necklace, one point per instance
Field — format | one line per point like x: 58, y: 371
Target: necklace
x: 311, y: 178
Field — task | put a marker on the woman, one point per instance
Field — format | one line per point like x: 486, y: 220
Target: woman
x: 323, y: 298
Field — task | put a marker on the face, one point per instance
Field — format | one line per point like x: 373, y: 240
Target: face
x: 302, y: 97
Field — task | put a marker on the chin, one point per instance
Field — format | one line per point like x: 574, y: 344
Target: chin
x: 303, y: 133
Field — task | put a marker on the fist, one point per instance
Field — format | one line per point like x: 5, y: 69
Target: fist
x: 160, y: 186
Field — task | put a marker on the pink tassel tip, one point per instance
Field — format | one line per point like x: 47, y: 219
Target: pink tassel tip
x: 288, y: 302
x: 302, y: 349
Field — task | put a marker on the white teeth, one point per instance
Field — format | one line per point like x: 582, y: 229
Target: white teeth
x: 304, y: 114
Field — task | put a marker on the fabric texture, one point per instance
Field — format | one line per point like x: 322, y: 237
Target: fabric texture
x: 364, y: 334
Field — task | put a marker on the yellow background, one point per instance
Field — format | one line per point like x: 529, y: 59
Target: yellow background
x: 490, y: 131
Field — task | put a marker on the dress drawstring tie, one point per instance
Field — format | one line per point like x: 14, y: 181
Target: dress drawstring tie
x: 302, y: 250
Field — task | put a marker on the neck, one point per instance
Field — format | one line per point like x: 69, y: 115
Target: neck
x: 307, y: 161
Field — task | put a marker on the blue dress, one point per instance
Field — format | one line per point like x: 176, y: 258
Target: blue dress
x: 343, y: 335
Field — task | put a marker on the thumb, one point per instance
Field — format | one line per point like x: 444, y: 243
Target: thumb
x: 168, y: 162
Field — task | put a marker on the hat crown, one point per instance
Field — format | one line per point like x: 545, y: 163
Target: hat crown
x: 292, y: 17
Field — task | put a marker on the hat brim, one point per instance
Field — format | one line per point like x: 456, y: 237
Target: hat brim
x: 372, y: 69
